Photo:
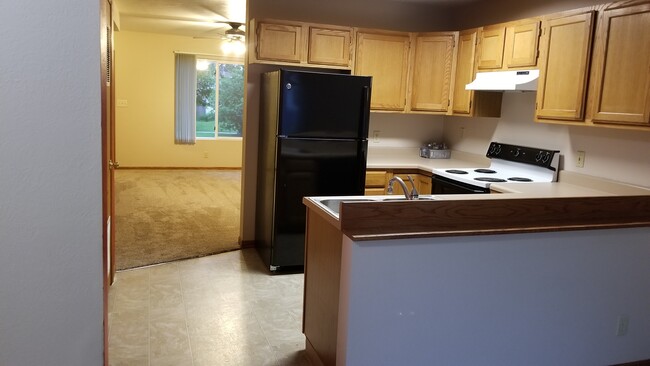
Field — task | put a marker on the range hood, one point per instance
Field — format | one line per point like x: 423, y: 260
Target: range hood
x: 521, y: 80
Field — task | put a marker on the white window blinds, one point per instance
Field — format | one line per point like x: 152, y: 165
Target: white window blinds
x: 185, y: 115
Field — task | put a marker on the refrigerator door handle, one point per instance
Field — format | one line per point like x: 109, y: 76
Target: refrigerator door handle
x: 365, y: 113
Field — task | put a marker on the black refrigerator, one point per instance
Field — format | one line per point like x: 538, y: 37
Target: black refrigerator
x: 313, y: 142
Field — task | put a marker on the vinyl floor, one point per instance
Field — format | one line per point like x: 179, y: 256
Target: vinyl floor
x: 223, y: 309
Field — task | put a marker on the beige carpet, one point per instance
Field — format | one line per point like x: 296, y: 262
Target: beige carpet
x: 165, y: 215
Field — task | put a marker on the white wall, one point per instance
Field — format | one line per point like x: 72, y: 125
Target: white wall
x: 50, y: 184
x: 618, y: 155
x: 404, y: 130
x: 520, y: 299
x: 144, y: 130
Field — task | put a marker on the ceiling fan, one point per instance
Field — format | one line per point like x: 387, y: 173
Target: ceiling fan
x: 234, y: 33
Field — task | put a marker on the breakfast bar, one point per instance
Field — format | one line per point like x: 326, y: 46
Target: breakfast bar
x: 557, y: 275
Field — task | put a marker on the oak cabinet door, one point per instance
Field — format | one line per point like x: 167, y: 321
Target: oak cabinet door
x: 425, y: 184
x: 329, y: 46
x: 621, y: 67
x: 432, y: 73
x: 385, y: 57
x: 563, y: 67
x: 279, y: 42
x: 375, y: 182
x: 521, y: 45
x: 464, y: 72
x: 491, y: 48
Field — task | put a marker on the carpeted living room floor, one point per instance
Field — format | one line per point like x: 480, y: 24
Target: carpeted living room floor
x: 166, y: 215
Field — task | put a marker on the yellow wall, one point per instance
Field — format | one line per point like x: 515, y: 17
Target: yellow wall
x: 144, y: 131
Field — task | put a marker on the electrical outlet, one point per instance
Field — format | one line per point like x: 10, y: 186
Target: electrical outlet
x: 375, y: 136
x: 580, y: 159
x: 122, y: 103
x: 621, y: 327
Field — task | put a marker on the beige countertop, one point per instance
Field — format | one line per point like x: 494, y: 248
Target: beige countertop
x: 569, y: 184
x: 409, y: 158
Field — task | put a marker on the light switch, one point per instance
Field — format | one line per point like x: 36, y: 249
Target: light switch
x: 122, y: 103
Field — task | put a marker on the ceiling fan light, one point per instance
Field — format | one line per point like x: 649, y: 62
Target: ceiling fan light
x: 239, y: 47
x: 227, y: 47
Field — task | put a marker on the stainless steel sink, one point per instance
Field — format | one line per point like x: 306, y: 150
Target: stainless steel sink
x: 334, y: 204
x: 404, y: 199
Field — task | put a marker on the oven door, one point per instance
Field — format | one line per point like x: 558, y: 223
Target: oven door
x: 443, y: 185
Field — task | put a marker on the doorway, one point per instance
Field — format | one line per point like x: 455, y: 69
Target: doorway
x: 175, y: 201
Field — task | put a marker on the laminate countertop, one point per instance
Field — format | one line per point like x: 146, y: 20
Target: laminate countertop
x: 569, y: 184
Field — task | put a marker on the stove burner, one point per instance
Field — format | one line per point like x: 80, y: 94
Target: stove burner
x: 456, y: 171
x: 520, y: 179
x: 485, y: 171
x: 490, y: 179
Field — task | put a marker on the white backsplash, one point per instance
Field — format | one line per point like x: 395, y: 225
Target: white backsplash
x: 404, y: 130
x: 613, y: 154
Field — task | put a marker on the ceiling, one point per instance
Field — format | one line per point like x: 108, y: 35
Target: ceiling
x: 196, y: 18
x: 191, y: 18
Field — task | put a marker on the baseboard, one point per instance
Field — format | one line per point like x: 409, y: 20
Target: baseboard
x: 245, y: 244
x: 635, y: 363
x: 177, y: 168
x: 312, y: 355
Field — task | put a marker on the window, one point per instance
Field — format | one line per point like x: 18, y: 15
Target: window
x: 219, y: 99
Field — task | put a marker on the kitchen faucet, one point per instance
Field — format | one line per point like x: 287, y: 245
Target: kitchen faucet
x: 413, y: 195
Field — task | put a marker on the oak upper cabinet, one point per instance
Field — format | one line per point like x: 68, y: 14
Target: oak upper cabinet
x: 329, y: 46
x: 490, y: 50
x: 304, y: 44
x: 279, y: 42
x: 385, y: 57
x: 521, y: 44
x: 620, y: 82
x: 512, y: 45
x: 432, y: 67
x: 563, y: 66
x: 465, y: 63
x: 467, y: 102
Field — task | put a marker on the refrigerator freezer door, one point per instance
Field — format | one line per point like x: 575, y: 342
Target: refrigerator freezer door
x: 309, y: 167
x: 318, y: 105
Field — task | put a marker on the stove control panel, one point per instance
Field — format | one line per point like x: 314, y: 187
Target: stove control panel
x: 523, y: 154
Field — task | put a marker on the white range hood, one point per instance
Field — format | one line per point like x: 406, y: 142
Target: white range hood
x: 521, y: 80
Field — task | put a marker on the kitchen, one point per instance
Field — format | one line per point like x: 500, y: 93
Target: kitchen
x: 515, y: 125
x: 609, y: 153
